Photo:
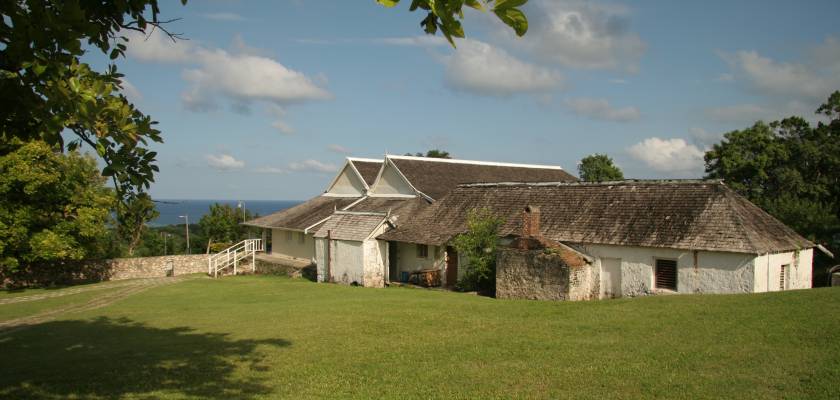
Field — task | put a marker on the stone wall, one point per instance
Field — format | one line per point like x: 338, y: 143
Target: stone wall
x: 539, y: 275
x: 152, y: 267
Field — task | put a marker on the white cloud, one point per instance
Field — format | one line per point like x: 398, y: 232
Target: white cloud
x: 271, y: 170
x: 241, y: 76
x: 668, y: 155
x: 480, y: 68
x: 224, y: 162
x: 130, y: 91
x: 224, y: 16
x: 739, y: 113
x: 312, y: 166
x: 157, y: 47
x: 582, y: 34
x: 335, y: 148
x: 704, y: 138
x: 279, y: 114
x: 601, y: 109
x: 783, y: 79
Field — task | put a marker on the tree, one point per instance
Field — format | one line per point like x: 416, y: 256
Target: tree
x: 223, y: 224
x: 599, y: 168
x: 444, y: 15
x: 135, y: 215
x: 55, y: 207
x: 788, y: 168
x: 434, y: 153
x: 478, y: 246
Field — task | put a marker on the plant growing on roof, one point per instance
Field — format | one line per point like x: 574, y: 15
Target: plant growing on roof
x: 478, y: 246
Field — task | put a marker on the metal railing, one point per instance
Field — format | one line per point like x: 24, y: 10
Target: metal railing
x: 231, y: 256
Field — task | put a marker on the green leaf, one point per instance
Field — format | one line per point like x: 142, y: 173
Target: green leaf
x: 502, y: 4
x: 514, y: 18
x: 388, y: 3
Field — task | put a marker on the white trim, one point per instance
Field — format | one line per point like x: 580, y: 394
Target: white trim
x: 455, y: 161
x: 401, y: 175
x: 306, y: 230
x: 376, y: 160
x: 347, y: 162
x: 342, y: 195
x: 396, y: 196
x: 335, y: 179
x: 358, y: 174
x: 347, y: 207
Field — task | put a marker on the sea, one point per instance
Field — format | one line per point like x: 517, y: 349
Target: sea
x: 170, y: 210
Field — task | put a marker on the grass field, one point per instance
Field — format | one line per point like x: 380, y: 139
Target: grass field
x: 267, y: 337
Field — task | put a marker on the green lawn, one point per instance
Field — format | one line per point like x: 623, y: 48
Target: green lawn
x: 268, y: 337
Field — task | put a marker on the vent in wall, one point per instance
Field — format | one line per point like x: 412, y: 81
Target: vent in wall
x: 666, y: 274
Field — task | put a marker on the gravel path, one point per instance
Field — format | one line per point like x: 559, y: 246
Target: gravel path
x: 123, y: 290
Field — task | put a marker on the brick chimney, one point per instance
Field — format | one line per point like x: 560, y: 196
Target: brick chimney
x: 531, y: 222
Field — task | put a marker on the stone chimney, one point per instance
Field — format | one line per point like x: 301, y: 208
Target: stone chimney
x: 531, y: 222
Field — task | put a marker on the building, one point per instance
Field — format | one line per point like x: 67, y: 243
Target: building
x: 641, y: 237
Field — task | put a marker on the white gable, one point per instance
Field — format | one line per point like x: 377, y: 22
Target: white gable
x: 391, y: 182
x: 347, y: 183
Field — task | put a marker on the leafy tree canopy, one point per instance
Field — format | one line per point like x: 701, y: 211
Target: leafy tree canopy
x: 445, y: 15
x: 599, y: 168
x: 434, y: 153
x: 478, y: 246
x: 222, y: 223
x: 789, y: 168
x: 55, y: 207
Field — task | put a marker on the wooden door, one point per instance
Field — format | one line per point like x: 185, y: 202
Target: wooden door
x: 451, y: 266
x: 610, y: 278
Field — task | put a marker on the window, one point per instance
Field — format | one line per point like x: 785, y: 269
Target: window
x: 666, y: 274
x: 301, y: 238
x: 782, y: 276
x: 288, y: 236
x: 422, y: 251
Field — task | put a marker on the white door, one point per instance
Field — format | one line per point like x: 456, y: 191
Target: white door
x: 610, y: 278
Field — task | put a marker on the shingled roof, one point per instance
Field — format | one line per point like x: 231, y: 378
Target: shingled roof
x: 303, y: 215
x: 350, y: 225
x: 691, y: 215
x: 435, y: 177
x: 368, y: 168
x: 400, y: 208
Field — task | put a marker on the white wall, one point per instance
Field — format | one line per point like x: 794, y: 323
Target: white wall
x: 280, y: 245
x: 711, y: 272
x: 768, y: 267
x: 391, y: 183
x: 348, y: 183
x: 407, y: 260
x: 352, y: 261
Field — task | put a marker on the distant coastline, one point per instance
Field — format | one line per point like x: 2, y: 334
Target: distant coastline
x: 171, y: 209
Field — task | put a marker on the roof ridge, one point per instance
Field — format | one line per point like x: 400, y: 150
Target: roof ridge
x: 474, y: 162
x: 362, y: 159
x: 602, y: 183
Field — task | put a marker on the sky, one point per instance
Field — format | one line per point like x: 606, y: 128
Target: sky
x: 265, y: 99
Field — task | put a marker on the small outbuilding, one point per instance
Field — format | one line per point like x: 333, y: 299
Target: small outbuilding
x: 346, y: 250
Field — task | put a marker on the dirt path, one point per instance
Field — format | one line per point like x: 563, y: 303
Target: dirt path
x: 123, y: 290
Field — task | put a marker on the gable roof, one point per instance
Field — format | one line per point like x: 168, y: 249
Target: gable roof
x: 691, y: 215
x: 435, y: 177
x: 303, y: 215
x: 400, y: 208
x: 367, y: 168
x: 349, y: 225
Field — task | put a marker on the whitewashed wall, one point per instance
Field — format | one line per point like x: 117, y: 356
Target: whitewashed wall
x: 280, y: 245
x: 710, y: 272
x: 768, y: 267
x: 352, y: 261
x: 408, y: 261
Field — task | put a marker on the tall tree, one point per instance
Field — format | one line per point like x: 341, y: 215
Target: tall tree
x: 434, y: 153
x: 55, y: 207
x: 223, y: 223
x: 599, y: 168
x: 789, y: 168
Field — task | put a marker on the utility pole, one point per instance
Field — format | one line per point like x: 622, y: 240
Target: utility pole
x: 164, y: 234
x: 187, y: 227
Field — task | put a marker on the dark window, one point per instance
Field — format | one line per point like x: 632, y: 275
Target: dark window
x: 666, y: 274
x: 422, y: 251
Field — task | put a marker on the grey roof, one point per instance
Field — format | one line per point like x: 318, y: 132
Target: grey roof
x: 436, y: 177
x: 400, y: 208
x: 347, y: 225
x: 368, y: 169
x: 692, y: 215
x: 303, y: 215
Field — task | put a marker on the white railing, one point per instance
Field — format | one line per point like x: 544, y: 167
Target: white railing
x: 231, y: 256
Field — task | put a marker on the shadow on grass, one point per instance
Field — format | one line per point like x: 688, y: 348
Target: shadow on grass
x: 116, y: 357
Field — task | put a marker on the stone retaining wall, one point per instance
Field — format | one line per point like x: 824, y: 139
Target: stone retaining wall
x: 152, y: 267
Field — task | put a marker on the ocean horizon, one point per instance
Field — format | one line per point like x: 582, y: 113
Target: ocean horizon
x: 171, y: 209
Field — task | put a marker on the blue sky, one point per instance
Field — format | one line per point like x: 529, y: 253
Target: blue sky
x: 266, y: 98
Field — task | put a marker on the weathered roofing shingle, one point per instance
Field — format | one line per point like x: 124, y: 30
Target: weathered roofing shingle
x: 693, y: 215
x: 400, y: 208
x: 345, y: 225
x: 303, y: 215
x: 436, y: 177
x: 368, y: 168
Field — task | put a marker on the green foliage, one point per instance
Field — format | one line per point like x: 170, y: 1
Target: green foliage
x: 135, y: 214
x: 54, y: 207
x: 223, y: 223
x: 599, y: 168
x: 434, y: 153
x: 478, y: 247
x: 54, y: 92
x: 445, y: 15
x: 790, y: 169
